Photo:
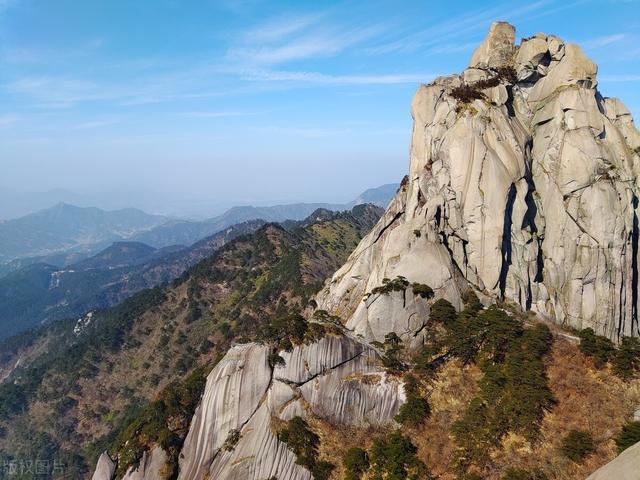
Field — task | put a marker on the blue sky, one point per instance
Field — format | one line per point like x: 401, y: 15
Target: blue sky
x: 200, y: 104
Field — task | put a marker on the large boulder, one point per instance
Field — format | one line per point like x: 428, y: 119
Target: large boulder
x: 153, y: 466
x: 336, y: 378
x: 105, y: 469
x: 625, y: 466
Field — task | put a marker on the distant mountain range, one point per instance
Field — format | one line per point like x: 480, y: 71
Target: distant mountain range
x: 65, y: 234
x: 41, y: 292
x: 66, y: 227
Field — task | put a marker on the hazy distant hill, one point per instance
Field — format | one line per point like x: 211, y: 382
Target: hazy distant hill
x: 380, y: 196
x: 41, y: 292
x: 65, y: 234
x: 63, y: 227
x: 185, y: 232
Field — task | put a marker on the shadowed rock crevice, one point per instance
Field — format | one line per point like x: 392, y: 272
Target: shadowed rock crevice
x: 506, y: 239
x: 634, y: 267
x: 386, y: 227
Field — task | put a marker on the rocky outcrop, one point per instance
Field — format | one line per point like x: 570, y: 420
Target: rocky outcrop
x: 105, y: 468
x: 152, y: 466
x: 625, y: 466
x: 523, y: 183
x: 336, y: 378
x: 234, y: 391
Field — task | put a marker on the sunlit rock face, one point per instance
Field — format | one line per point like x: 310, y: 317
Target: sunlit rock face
x: 528, y: 193
x: 336, y: 378
x: 624, y: 467
x: 152, y: 466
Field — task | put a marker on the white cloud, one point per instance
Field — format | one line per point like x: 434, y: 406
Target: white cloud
x: 600, y: 42
x: 320, y: 43
x: 94, y: 124
x: 437, y: 35
x: 275, y: 30
x: 324, y: 79
x: 219, y: 114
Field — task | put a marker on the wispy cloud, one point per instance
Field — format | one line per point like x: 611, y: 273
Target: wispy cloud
x: 279, y: 28
x: 218, y: 114
x: 605, y: 41
x: 7, y: 120
x: 320, y: 43
x: 451, y: 30
x: 325, y: 79
x: 305, y: 132
x: 42, y: 55
x: 94, y: 124
x: 4, y: 4
x: 57, y: 90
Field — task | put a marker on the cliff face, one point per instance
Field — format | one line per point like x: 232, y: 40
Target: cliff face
x: 335, y: 378
x: 522, y: 183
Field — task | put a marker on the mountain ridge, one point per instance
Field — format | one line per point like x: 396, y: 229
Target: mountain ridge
x: 41, y: 236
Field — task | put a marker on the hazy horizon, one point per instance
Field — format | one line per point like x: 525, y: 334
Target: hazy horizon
x: 197, y: 107
x: 17, y: 203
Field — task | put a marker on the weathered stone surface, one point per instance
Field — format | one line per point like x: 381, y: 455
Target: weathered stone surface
x: 625, y: 466
x: 497, y: 48
x: 152, y: 466
x: 401, y: 312
x: 105, y: 468
x: 307, y: 361
x: 532, y: 199
x: 355, y: 393
x: 234, y: 390
x: 337, y: 378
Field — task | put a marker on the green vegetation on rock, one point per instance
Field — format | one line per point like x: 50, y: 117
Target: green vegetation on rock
x: 577, y: 444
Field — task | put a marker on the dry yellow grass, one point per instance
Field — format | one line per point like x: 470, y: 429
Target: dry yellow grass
x: 586, y: 399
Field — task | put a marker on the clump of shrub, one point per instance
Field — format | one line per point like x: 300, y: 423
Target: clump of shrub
x: 468, y: 92
x: 323, y: 316
x: 393, y: 457
x: 422, y: 290
x: 393, y: 350
x: 162, y: 422
x: 442, y: 312
x: 598, y: 347
x: 416, y: 409
x: 292, y: 326
x: 356, y: 463
x: 520, y: 474
x: 514, y: 391
x: 232, y: 440
x: 628, y: 436
x: 304, y: 443
x: 626, y: 360
x: 577, y: 444
x: 398, y: 284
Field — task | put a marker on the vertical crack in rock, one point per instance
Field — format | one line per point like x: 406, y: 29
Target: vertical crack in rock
x: 634, y: 268
x: 437, y: 217
x: 506, y: 239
